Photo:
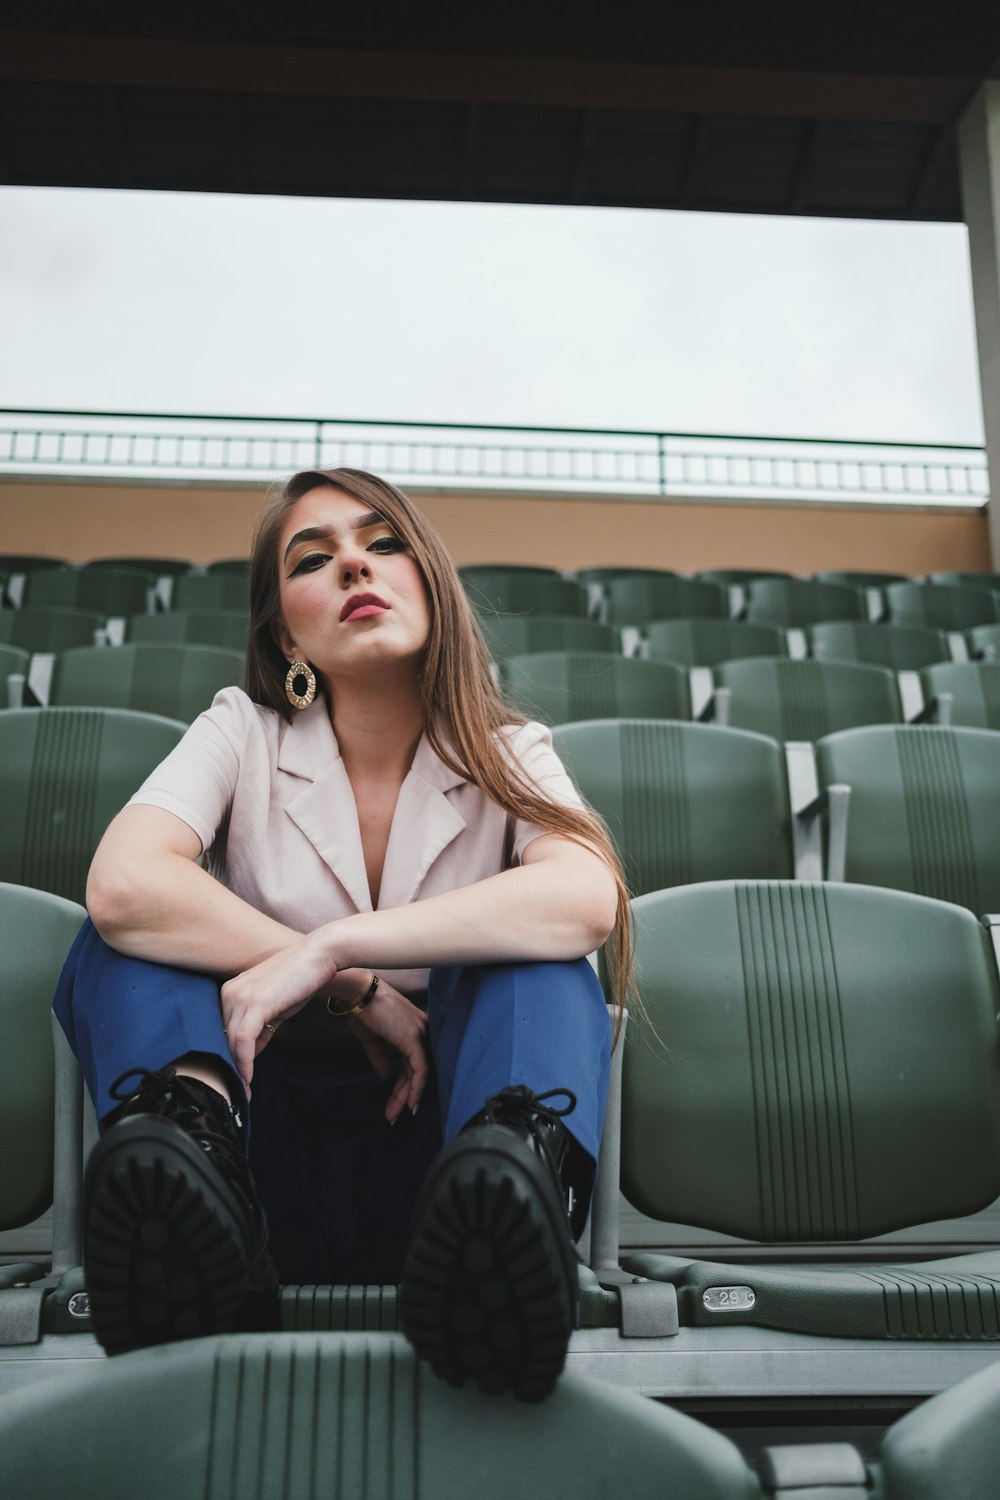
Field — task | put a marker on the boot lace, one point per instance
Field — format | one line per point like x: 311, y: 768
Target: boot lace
x: 165, y: 1092
x: 517, y: 1106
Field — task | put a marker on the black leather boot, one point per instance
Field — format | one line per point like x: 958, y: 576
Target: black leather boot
x: 490, y: 1285
x: 175, y: 1241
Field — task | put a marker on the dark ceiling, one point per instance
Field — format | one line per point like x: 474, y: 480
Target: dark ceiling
x: 775, y: 108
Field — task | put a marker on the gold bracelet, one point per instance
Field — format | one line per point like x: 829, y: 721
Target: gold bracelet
x: 358, y: 1006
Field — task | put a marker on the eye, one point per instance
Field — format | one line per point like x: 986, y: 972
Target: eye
x: 386, y: 545
x: 310, y: 563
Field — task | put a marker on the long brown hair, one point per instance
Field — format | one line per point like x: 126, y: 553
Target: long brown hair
x: 463, y: 710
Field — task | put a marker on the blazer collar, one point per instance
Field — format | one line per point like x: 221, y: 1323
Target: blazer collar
x: 425, y: 821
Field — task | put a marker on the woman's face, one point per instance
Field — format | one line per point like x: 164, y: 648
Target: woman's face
x: 352, y: 597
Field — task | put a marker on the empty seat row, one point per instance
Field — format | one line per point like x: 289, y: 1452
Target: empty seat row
x: 120, y: 591
x: 178, y: 681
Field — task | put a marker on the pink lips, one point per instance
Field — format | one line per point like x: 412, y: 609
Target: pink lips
x: 362, y: 606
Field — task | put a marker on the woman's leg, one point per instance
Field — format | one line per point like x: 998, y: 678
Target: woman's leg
x: 175, y: 1241
x: 490, y: 1284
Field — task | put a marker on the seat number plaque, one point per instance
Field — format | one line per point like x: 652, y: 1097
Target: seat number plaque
x: 728, y: 1298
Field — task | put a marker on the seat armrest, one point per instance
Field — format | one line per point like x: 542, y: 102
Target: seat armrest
x: 834, y: 800
x: 937, y: 710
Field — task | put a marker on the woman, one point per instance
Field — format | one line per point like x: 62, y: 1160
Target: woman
x: 394, y: 881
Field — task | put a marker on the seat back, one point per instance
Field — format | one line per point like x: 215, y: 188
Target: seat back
x: 514, y: 635
x: 818, y: 1061
x: 703, y: 643
x: 160, y: 567
x: 526, y: 593
x: 794, y: 602
x: 974, y: 687
x: 36, y: 932
x: 64, y: 774
x: 308, y: 1415
x: 638, y: 599
x: 903, y: 648
x: 227, y: 628
x: 956, y: 608
x: 729, y: 576
x: 233, y: 567
x: 29, y: 562
x: 967, y: 580
x: 684, y: 802
x: 488, y: 572
x: 946, y: 1449
x: 176, y: 681
x: 802, y: 700
x: 984, y: 641
x: 605, y: 573
x: 924, y: 814
x: 111, y: 591
x: 211, y: 591
x: 559, y: 687
x: 859, y: 578
x: 49, y: 629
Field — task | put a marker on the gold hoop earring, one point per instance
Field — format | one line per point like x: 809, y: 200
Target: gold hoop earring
x: 300, y: 672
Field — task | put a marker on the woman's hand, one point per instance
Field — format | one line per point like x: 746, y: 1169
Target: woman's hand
x: 391, y: 1028
x: 269, y: 993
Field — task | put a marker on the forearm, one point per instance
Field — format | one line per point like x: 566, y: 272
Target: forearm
x: 556, y: 909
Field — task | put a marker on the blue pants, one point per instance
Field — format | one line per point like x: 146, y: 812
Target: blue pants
x: 338, y: 1184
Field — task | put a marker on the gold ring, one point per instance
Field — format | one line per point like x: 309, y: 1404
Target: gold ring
x: 268, y: 1027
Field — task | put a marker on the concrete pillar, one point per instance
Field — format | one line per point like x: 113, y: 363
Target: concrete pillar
x: 979, y: 161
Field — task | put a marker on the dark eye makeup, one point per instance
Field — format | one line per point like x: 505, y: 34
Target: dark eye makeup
x: 383, y: 545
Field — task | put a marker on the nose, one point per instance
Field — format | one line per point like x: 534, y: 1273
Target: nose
x: 353, y: 566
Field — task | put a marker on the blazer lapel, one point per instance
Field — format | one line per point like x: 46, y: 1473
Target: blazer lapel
x: 324, y: 810
x: 424, y: 824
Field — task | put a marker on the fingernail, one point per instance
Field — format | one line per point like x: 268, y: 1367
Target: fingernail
x: 413, y: 1110
x: 394, y: 1119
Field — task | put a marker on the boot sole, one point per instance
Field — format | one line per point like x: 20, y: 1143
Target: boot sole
x: 164, y: 1251
x: 490, y: 1287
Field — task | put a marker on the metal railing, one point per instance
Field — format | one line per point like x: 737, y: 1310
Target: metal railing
x: 139, y: 445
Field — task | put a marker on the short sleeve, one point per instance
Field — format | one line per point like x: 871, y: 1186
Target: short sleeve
x: 531, y: 746
x: 197, y: 780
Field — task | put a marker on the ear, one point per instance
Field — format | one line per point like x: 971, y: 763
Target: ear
x: 284, y: 640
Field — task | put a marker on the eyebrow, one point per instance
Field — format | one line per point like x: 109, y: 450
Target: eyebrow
x: 321, y: 533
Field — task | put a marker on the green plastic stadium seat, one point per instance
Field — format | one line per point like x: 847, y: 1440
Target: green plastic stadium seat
x: 684, y: 802
x: 49, y: 629
x: 903, y: 648
x: 828, y: 1070
x: 796, y: 602
x: 234, y: 567
x: 111, y: 591
x: 640, y: 599
x: 228, y: 628
x: 526, y: 593
x: 514, y: 635
x: 178, y: 681
x: 487, y: 572
x: 923, y: 814
x: 303, y: 1416
x: 802, y: 700
x: 729, y: 576
x: 606, y: 573
x: 983, y: 642
x: 703, y: 643
x: 974, y: 688
x: 946, y: 1449
x: 211, y: 591
x: 860, y: 578
x: 967, y: 580
x: 29, y: 562
x: 64, y: 774
x: 36, y: 932
x: 956, y: 608
x: 160, y: 567
x: 558, y: 687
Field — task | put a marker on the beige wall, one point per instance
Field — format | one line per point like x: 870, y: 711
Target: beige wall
x: 83, y: 520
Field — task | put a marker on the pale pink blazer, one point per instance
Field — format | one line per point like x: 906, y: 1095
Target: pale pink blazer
x: 272, y: 802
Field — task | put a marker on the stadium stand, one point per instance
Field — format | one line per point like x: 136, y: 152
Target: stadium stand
x: 802, y: 601
x: 558, y: 687
x: 64, y: 774
x: 227, y: 628
x: 209, y: 591
x: 515, y: 635
x: 50, y: 629
x: 803, y: 700
x: 955, y: 608
x: 903, y: 648
x: 110, y: 591
x: 175, y: 681
x: 922, y: 814
x: 518, y: 593
x: 640, y: 599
